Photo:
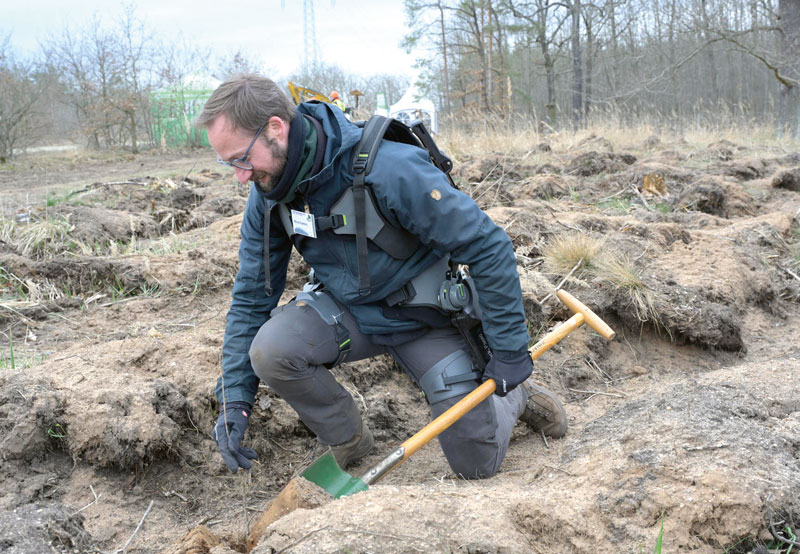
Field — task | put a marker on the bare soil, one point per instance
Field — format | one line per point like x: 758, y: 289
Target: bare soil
x: 689, y: 419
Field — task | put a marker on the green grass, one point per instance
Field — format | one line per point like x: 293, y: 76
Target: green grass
x: 12, y: 288
x: 57, y: 432
x: 12, y: 359
x: 662, y: 207
x: 617, y: 206
x: 660, y: 539
x: 11, y: 362
x: 55, y: 199
x: 778, y: 545
x: 153, y: 291
x: 118, y: 289
x: 540, y: 332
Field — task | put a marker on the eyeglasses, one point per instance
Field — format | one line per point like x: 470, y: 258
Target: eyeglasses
x: 242, y: 163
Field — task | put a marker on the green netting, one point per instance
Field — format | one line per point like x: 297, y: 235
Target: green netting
x: 173, y: 112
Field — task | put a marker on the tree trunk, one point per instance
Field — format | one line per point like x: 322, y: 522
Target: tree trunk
x: 488, y: 33
x: 612, y: 21
x: 478, y: 31
x: 712, y: 65
x: 789, y: 109
x: 444, y: 59
x: 133, y: 131
x: 587, y: 89
x: 676, y: 84
x: 577, y: 72
x: 549, y: 70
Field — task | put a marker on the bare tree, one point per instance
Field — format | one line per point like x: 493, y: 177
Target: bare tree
x: 782, y: 63
x: 433, y: 34
x: 789, y: 18
x: 88, y: 67
x: 134, y: 85
x: 236, y: 63
x: 108, y: 74
x: 443, y: 35
x: 545, y: 20
x: 20, y: 124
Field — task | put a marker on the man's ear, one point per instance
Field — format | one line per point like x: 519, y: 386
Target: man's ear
x: 277, y: 129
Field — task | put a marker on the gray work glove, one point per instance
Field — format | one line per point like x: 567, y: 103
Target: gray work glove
x: 229, y: 431
x: 508, y: 369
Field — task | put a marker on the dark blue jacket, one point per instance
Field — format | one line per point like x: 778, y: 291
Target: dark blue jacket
x: 402, y: 179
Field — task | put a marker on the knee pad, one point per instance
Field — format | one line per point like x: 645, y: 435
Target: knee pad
x: 452, y: 376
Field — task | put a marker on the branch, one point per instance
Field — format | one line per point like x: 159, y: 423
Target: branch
x: 147, y: 511
x: 775, y: 68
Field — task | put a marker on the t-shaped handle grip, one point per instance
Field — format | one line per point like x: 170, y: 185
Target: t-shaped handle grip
x: 589, y: 317
x: 582, y: 314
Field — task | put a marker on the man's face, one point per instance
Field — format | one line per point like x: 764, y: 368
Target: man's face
x: 267, y: 155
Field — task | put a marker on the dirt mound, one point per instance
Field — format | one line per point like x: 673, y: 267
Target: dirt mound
x: 788, y: 179
x: 592, y: 163
x: 31, y: 425
x: 715, y: 197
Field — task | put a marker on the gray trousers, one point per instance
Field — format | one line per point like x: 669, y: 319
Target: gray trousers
x: 290, y: 354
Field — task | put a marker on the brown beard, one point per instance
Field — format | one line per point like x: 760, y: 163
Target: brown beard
x: 267, y: 181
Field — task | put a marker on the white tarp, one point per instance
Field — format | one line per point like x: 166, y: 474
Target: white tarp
x: 412, y: 106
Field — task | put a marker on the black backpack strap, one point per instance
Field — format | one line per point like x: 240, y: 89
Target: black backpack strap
x: 267, y: 277
x: 361, y: 165
x: 439, y: 158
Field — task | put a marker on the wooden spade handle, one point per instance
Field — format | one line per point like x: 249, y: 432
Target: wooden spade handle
x: 438, y: 425
x: 441, y: 423
x: 435, y: 427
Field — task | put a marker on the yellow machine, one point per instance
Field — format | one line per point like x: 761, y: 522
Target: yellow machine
x: 302, y: 94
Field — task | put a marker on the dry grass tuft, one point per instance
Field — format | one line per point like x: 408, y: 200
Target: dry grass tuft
x: 7, y: 228
x: 619, y: 273
x: 584, y: 255
x: 572, y: 251
x: 45, y: 237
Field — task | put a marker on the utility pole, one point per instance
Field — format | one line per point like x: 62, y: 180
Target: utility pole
x: 310, y: 51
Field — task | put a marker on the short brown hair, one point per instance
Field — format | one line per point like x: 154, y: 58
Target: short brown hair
x: 248, y: 101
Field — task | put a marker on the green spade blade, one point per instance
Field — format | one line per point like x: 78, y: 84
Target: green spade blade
x: 326, y: 473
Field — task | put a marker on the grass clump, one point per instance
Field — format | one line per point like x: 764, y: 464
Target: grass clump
x: 584, y: 255
x: 620, y: 273
x: 572, y: 252
x: 12, y: 288
x: 45, y: 238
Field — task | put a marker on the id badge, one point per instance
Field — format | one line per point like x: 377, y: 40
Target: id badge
x: 303, y: 224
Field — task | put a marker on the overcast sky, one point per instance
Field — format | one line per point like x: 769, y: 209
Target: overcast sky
x: 361, y: 36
